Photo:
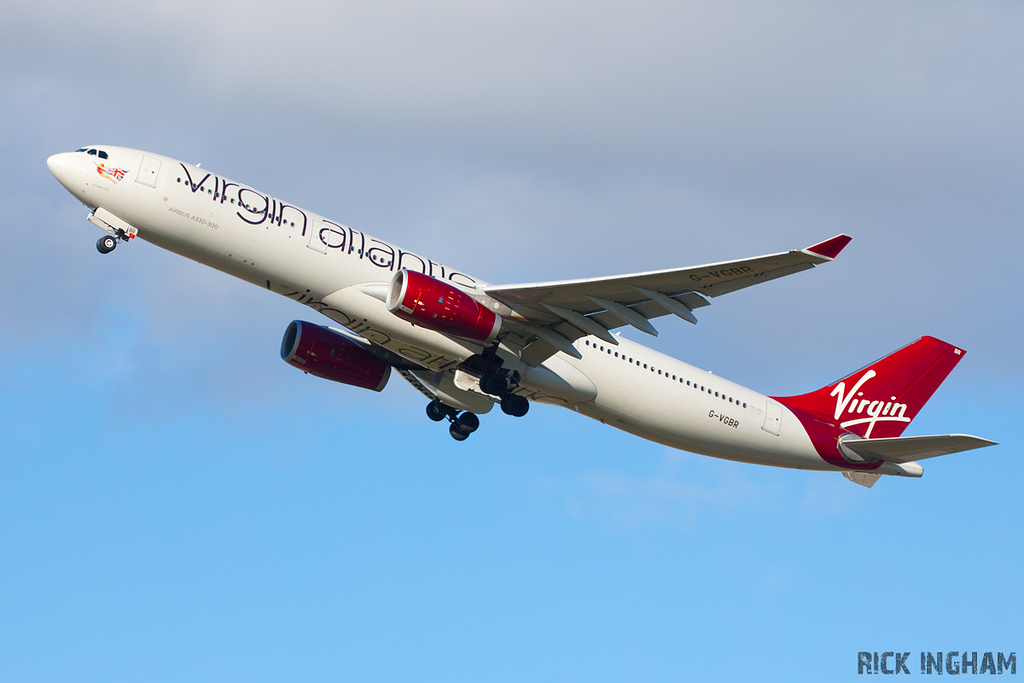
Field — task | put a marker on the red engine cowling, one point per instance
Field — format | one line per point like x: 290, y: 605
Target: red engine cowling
x: 439, y: 306
x: 330, y: 355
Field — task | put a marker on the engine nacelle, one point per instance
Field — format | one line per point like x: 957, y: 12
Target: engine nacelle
x: 439, y: 306
x: 327, y: 354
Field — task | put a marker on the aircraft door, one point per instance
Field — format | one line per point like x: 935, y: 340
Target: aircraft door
x: 772, y: 418
x: 315, y: 241
x: 324, y: 234
x: 148, y: 171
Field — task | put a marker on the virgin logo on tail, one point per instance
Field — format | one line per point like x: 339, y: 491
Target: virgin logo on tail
x: 907, y: 378
x: 876, y: 411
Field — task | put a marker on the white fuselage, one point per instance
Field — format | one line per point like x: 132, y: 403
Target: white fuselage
x: 341, y: 273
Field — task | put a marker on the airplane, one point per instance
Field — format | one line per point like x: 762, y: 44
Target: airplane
x: 466, y: 344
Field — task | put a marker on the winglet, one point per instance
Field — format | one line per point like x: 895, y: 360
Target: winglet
x: 830, y: 248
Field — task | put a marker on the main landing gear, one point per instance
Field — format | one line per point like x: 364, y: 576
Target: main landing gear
x: 516, y: 406
x: 500, y: 385
x: 106, y: 244
x: 462, y: 424
x: 494, y: 381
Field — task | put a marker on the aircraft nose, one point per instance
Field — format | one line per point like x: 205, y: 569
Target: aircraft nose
x: 66, y: 171
x: 59, y: 166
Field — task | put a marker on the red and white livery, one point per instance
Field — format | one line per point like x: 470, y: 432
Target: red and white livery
x: 467, y: 344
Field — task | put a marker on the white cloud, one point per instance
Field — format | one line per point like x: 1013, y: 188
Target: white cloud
x: 535, y: 140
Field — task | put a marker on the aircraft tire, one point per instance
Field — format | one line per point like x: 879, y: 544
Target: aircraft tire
x: 436, y: 411
x: 106, y: 244
x: 457, y: 432
x: 516, y: 406
x: 496, y: 385
x: 468, y: 422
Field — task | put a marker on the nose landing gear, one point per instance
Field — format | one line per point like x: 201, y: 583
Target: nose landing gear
x: 106, y: 244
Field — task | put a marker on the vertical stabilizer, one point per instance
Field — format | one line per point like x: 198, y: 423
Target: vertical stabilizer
x: 879, y: 401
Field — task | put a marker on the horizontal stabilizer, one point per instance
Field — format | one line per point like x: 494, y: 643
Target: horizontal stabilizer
x: 905, y: 449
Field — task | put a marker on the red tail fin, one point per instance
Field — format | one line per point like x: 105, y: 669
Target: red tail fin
x: 880, y: 400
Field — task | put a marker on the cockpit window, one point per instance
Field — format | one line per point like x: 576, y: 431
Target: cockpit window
x: 95, y: 152
x: 102, y: 154
x: 80, y: 150
x: 92, y: 152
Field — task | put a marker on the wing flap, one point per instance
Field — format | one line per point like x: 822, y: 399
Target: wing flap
x: 713, y: 279
x: 555, y: 314
x: 594, y: 305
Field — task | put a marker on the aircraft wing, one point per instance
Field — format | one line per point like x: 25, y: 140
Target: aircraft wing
x: 561, y: 312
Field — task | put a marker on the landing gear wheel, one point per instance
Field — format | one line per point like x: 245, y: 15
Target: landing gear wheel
x: 468, y: 422
x: 457, y: 432
x: 106, y: 244
x: 436, y: 411
x: 514, y: 405
x: 496, y: 385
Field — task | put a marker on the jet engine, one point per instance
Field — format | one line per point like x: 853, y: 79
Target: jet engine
x: 330, y: 355
x: 440, y: 306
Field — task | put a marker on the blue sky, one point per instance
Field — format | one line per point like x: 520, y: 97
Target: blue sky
x: 177, y: 503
